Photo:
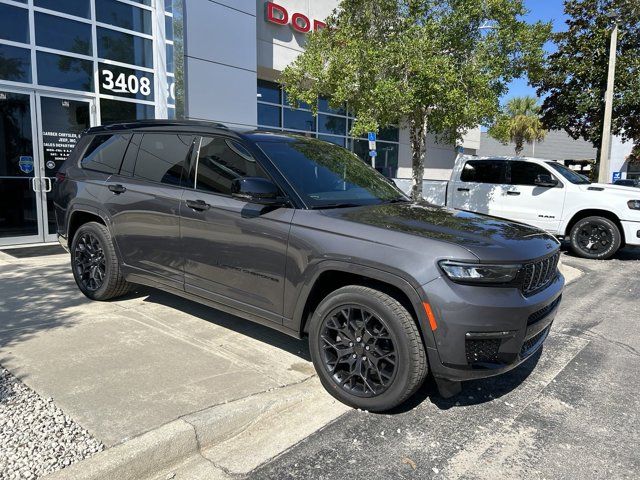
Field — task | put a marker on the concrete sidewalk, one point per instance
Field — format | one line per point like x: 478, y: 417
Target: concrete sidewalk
x: 123, y: 368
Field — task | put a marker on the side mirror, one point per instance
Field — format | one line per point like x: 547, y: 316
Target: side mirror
x: 256, y: 190
x: 546, y: 181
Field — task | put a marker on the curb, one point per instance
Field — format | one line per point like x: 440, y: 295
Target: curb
x: 218, y: 435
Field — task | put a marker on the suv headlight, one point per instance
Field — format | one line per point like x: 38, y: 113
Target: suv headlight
x: 634, y: 204
x: 479, y: 273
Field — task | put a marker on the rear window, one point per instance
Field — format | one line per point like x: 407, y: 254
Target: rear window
x: 484, y: 171
x: 162, y: 158
x: 104, y: 153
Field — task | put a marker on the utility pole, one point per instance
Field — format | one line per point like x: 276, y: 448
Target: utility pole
x: 605, y: 146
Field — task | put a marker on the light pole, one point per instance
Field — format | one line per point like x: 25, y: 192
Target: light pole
x: 605, y: 146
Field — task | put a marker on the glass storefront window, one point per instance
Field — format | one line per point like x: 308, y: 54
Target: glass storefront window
x: 168, y: 27
x: 64, y: 72
x: 62, y: 34
x: 14, y: 23
x: 15, y: 64
x: 123, y: 15
x: 79, y: 8
x: 332, y: 124
x: 125, y: 82
x: 302, y: 105
x: 125, y: 48
x: 323, y: 106
x: 113, y: 111
x: 269, y: 92
x: 330, y: 138
x: 168, y: 6
x: 299, y: 120
x: 269, y: 115
x: 170, y: 64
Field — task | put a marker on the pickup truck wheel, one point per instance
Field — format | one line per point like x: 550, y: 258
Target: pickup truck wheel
x: 95, y: 264
x: 595, y: 237
x: 366, y: 348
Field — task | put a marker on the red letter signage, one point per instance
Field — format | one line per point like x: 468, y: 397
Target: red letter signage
x: 276, y: 14
x: 300, y: 23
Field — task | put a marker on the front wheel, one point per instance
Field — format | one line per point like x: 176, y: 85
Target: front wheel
x: 95, y: 264
x: 366, y: 348
x: 597, y: 238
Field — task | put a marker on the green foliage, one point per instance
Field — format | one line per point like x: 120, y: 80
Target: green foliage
x: 574, y: 79
x: 427, y: 62
x: 519, y: 123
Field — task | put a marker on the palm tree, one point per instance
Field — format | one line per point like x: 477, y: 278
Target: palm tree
x: 519, y: 123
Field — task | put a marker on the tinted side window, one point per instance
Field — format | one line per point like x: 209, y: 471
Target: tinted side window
x: 221, y: 161
x: 484, y: 171
x: 104, y: 153
x: 162, y: 158
x: 525, y: 173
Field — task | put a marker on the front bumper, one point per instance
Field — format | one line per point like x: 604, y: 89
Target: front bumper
x: 485, y: 331
x: 631, y: 232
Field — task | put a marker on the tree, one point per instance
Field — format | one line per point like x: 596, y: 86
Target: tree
x: 519, y: 123
x: 574, y: 79
x: 438, y: 65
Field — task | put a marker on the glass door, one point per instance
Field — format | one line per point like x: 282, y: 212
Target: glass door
x: 61, y: 121
x: 20, y: 205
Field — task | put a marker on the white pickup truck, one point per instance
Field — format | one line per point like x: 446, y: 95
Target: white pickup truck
x: 597, y: 219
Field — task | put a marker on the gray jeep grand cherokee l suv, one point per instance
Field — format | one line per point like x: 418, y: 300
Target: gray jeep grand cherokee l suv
x: 304, y: 237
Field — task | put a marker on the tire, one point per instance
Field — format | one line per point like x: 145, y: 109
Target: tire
x: 597, y: 238
x: 95, y: 264
x: 389, y: 378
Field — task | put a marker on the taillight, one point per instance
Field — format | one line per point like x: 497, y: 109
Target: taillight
x: 60, y: 176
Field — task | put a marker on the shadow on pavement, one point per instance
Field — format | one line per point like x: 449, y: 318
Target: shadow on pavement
x: 474, y: 392
x: 624, y: 254
x: 256, y: 331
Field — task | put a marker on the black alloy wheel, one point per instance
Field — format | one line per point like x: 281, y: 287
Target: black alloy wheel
x: 89, y: 262
x: 597, y: 238
x: 366, y: 348
x: 95, y: 264
x: 359, y: 350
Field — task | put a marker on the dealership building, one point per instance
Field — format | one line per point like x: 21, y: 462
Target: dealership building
x: 66, y: 65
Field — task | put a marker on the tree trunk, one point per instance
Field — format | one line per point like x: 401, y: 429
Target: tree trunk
x: 418, y: 136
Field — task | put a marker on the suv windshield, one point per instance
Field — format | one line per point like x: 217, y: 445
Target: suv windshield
x: 569, y: 174
x: 328, y: 176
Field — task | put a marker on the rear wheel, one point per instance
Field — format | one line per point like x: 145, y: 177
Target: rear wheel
x: 597, y: 238
x: 366, y: 348
x: 95, y: 264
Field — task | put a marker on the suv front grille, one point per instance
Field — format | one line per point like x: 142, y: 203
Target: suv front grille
x: 538, y: 275
x: 482, y: 351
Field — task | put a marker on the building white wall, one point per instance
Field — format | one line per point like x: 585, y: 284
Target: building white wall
x: 221, y: 61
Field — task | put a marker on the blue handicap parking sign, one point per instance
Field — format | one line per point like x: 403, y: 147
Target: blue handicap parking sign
x: 372, y: 136
x: 617, y: 176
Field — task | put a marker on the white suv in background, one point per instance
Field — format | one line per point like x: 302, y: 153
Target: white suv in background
x: 597, y: 219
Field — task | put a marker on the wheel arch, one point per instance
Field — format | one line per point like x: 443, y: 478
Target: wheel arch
x: 595, y: 212
x: 80, y: 216
x: 334, y: 275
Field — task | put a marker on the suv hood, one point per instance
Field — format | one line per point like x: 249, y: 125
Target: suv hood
x: 489, y: 238
x: 620, y: 190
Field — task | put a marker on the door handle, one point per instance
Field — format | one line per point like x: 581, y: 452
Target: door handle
x: 33, y: 184
x: 463, y: 189
x: 199, y: 205
x: 513, y: 192
x: 117, y: 189
x: 47, y: 184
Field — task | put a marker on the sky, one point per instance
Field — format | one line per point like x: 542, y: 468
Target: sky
x: 546, y: 11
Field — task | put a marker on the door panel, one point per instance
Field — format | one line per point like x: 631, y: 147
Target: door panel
x: 480, y: 187
x: 20, y: 209
x: 234, y: 252
x: 144, y: 203
x: 525, y: 202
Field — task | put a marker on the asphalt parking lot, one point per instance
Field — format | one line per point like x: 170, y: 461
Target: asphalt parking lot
x: 132, y: 368
x: 570, y: 412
